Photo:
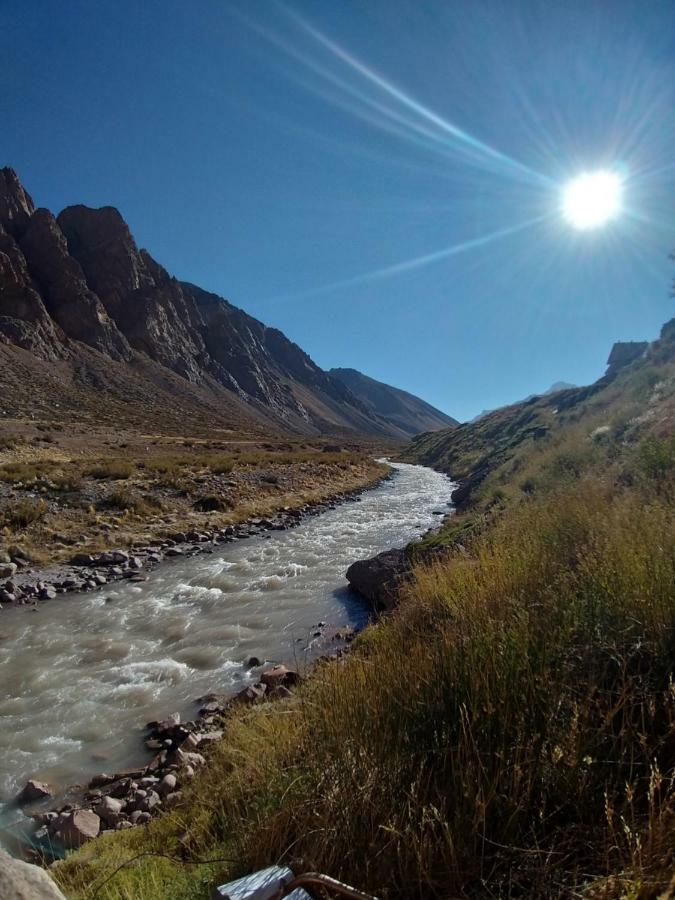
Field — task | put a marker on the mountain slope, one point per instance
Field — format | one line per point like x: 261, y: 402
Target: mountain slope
x: 404, y: 411
x: 637, y: 392
x: 76, y: 290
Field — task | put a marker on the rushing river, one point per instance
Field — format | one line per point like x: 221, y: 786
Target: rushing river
x: 81, y: 676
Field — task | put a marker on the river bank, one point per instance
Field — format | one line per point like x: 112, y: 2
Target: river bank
x: 68, y: 493
x: 93, y: 571
x: 150, y: 647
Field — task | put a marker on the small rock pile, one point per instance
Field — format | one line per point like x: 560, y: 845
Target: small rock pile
x: 134, y: 797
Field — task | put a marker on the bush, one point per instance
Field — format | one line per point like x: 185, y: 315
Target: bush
x: 212, y: 503
x: 114, y: 469
x: 18, y: 516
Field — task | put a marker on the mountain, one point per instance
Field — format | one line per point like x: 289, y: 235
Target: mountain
x: 99, y: 329
x: 637, y: 392
x: 402, y: 410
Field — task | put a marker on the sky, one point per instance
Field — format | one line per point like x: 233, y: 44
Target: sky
x: 381, y: 179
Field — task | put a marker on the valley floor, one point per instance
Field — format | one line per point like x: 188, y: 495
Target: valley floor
x: 67, y: 490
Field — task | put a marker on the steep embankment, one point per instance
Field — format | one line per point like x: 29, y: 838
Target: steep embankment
x: 509, y: 730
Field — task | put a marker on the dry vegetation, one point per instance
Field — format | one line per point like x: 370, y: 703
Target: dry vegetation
x: 510, y: 731
x: 91, y: 491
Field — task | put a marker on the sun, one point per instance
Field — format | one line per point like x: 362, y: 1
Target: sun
x: 592, y: 199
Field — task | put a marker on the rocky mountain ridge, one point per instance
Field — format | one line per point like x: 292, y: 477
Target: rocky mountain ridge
x: 405, y: 411
x: 85, y: 311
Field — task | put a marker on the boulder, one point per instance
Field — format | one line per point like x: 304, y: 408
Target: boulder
x: 23, y: 881
x: 167, y: 785
x: 110, y: 810
x: 173, y: 799
x: 254, y: 693
x: 279, y: 676
x: 82, y: 559
x: 34, y: 791
x: 378, y: 579
x: 77, y: 827
x: 8, y: 570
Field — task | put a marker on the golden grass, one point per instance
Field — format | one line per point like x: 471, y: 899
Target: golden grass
x: 508, y: 732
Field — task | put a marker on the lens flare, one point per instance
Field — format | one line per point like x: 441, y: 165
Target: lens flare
x: 592, y: 199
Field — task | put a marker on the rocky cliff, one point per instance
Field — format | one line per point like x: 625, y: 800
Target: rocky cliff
x: 86, y: 312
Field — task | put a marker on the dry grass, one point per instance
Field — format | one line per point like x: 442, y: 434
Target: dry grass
x: 508, y: 733
x: 19, y: 515
x: 114, y: 469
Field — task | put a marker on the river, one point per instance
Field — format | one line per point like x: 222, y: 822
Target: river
x: 81, y: 676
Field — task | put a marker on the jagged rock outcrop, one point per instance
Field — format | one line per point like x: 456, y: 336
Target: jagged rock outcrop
x: 622, y: 354
x: 16, y: 205
x: 24, y: 320
x: 80, y: 280
x: 66, y: 295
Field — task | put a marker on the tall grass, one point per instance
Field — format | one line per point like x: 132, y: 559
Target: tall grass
x: 510, y: 732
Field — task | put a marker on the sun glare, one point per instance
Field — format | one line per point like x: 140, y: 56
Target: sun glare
x: 592, y: 199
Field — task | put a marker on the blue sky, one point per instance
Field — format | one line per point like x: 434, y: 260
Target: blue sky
x: 379, y: 179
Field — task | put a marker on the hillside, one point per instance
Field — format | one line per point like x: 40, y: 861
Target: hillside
x: 99, y: 328
x: 404, y: 411
x: 508, y: 730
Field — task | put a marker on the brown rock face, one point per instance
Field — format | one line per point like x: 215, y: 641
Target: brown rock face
x: 101, y: 242
x: 80, y: 279
x: 146, y: 303
x: 24, y: 320
x: 69, y: 301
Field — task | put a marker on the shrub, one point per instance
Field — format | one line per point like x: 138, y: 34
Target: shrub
x: 114, y: 469
x: 126, y: 500
x: 212, y: 503
x: 23, y: 513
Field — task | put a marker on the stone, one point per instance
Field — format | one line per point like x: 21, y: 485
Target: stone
x: 112, y: 558
x: 208, y: 737
x: 252, y: 662
x: 279, y: 675
x: 167, y: 785
x: 82, y: 559
x: 253, y: 693
x: 8, y: 570
x: 279, y: 693
x: 109, y: 810
x: 378, y: 579
x: 190, y: 743
x: 78, y: 827
x: 173, y: 799
x: 148, y: 803
x: 140, y: 817
x: 23, y: 881
x: 34, y: 791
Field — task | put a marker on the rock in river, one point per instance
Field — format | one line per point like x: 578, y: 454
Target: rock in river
x: 377, y: 579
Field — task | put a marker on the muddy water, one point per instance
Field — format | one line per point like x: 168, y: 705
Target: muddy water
x: 81, y: 676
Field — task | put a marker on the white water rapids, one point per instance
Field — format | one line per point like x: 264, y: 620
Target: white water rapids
x: 81, y: 676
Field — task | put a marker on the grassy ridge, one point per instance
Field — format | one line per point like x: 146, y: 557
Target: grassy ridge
x: 510, y: 731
